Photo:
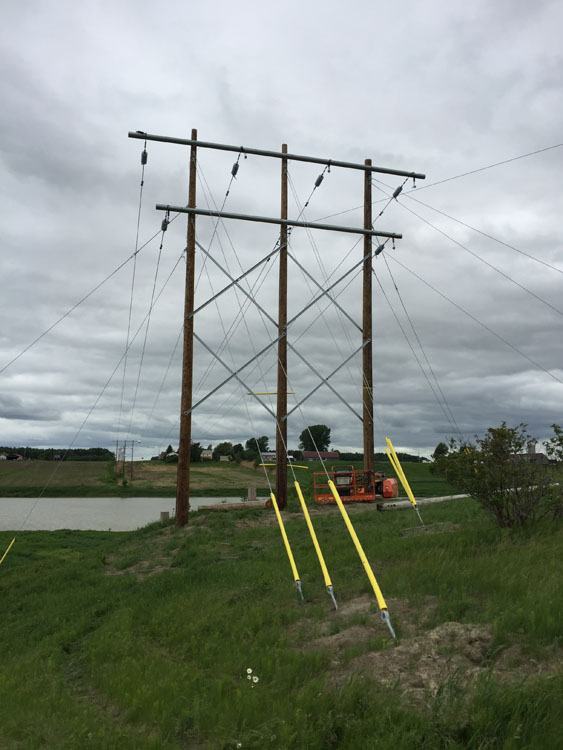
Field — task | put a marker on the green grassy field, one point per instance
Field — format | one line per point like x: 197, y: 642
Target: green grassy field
x: 98, y: 479
x: 143, y: 639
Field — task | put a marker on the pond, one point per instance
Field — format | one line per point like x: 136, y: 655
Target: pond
x: 91, y: 513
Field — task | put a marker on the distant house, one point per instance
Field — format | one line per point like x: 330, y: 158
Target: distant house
x: 540, y: 459
x: 224, y: 459
x: 269, y: 457
x: 325, y: 455
x: 3, y: 457
x: 14, y: 457
x: 206, y: 455
x: 532, y: 457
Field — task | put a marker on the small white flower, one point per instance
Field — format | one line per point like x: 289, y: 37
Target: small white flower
x: 249, y: 677
x: 249, y: 671
x: 255, y: 679
x: 239, y: 744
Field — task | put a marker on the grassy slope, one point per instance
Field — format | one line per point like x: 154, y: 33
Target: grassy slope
x: 110, y: 661
x: 91, y: 479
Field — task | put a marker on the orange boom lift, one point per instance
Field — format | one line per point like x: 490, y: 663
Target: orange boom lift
x: 354, y: 486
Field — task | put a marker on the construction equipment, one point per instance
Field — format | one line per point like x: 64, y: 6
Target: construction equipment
x: 354, y: 485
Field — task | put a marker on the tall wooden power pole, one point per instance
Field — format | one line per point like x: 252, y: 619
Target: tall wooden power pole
x: 281, y: 414
x: 367, y: 353
x: 183, y: 480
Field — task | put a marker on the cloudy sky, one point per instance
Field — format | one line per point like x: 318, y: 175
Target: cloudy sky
x: 444, y: 88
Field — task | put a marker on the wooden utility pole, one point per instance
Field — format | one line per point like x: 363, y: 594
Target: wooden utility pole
x: 367, y: 354
x: 183, y: 479
x: 281, y: 414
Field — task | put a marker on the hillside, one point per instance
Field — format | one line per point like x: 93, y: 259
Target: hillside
x: 144, y: 639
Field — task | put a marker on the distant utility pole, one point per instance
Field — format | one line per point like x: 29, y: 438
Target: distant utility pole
x: 183, y: 483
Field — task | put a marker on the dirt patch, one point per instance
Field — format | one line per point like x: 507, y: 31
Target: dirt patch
x: 423, y: 659
x: 418, y: 666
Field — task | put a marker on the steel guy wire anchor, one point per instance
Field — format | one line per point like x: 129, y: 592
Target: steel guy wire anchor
x: 330, y: 591
x: 387, y: 620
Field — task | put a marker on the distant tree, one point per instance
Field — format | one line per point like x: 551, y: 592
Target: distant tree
x: 315, y: 437
x: 440, y: 450
x: 223, y: 449
x: 170, y: 449
x: 195, y: 452
x: 554, y: 446
x: 238, y: 452
x: 513, y: 491
x: 255, y: 444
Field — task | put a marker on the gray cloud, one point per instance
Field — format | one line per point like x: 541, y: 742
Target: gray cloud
x: 438, y: 88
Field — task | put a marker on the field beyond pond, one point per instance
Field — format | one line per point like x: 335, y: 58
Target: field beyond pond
x: 144, y: 640
x: 157, y: 478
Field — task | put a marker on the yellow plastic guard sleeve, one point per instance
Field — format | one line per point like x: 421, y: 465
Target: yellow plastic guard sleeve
x: 359, y: 548
x: 6, y: 552
x: 397, y: 466
x: 284, y: 536
x: 328, y: 582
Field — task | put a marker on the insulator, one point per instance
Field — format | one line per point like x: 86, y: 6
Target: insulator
x: 234, y: 170
x: 144, y: 157
x: 414, y: 182
x: 398, y: 191
x: 319, y: 179
x: 380, y: 249
x: 164, y: 225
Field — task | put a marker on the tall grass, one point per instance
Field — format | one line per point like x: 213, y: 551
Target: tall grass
x: 109, y: 661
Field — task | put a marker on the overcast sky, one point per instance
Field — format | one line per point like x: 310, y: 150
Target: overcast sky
x: 443, y: 88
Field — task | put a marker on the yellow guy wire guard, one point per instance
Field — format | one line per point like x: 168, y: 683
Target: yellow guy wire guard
x: 396, y: 464
x: 287, y: 547
x: 367, y: 567
x: 328, y: 582
x: 6, y: 552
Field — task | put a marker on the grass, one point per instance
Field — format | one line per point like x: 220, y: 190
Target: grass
x: 129, y: 661
x: 158, y: 479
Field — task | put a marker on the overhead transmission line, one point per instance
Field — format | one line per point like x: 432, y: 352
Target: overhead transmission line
x: 96, y: 402
x: 485, y: 234
x: 144, y: 157
x: 476, y: 320
x: 454, y: 177
x: 67, y: 313
x: 164, y: 227
x: 442, y: 403
x: 480, y: 258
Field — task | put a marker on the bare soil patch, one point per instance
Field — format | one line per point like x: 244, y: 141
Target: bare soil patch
x: 423, y: 659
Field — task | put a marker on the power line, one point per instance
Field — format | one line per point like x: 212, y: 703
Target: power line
x: 485, y: 234
x: 454, y: 177
x: 476, y: 320
x: 67, y: 313
x: 452, y: 420
x: 486, y: 262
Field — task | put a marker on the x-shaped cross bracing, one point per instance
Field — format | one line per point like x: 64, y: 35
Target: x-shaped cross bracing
x: 235, y: 282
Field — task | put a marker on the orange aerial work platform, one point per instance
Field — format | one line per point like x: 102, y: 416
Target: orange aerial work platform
x: 354, y: 486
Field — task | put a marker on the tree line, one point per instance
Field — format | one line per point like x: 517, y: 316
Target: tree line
x: 61, y: 454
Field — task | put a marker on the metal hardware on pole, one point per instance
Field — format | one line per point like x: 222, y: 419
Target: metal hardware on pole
x: 273, y: 220
x: 183, y: 477
x: 274, y: 154
x: 367, y: 322
x: 281, y: 409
